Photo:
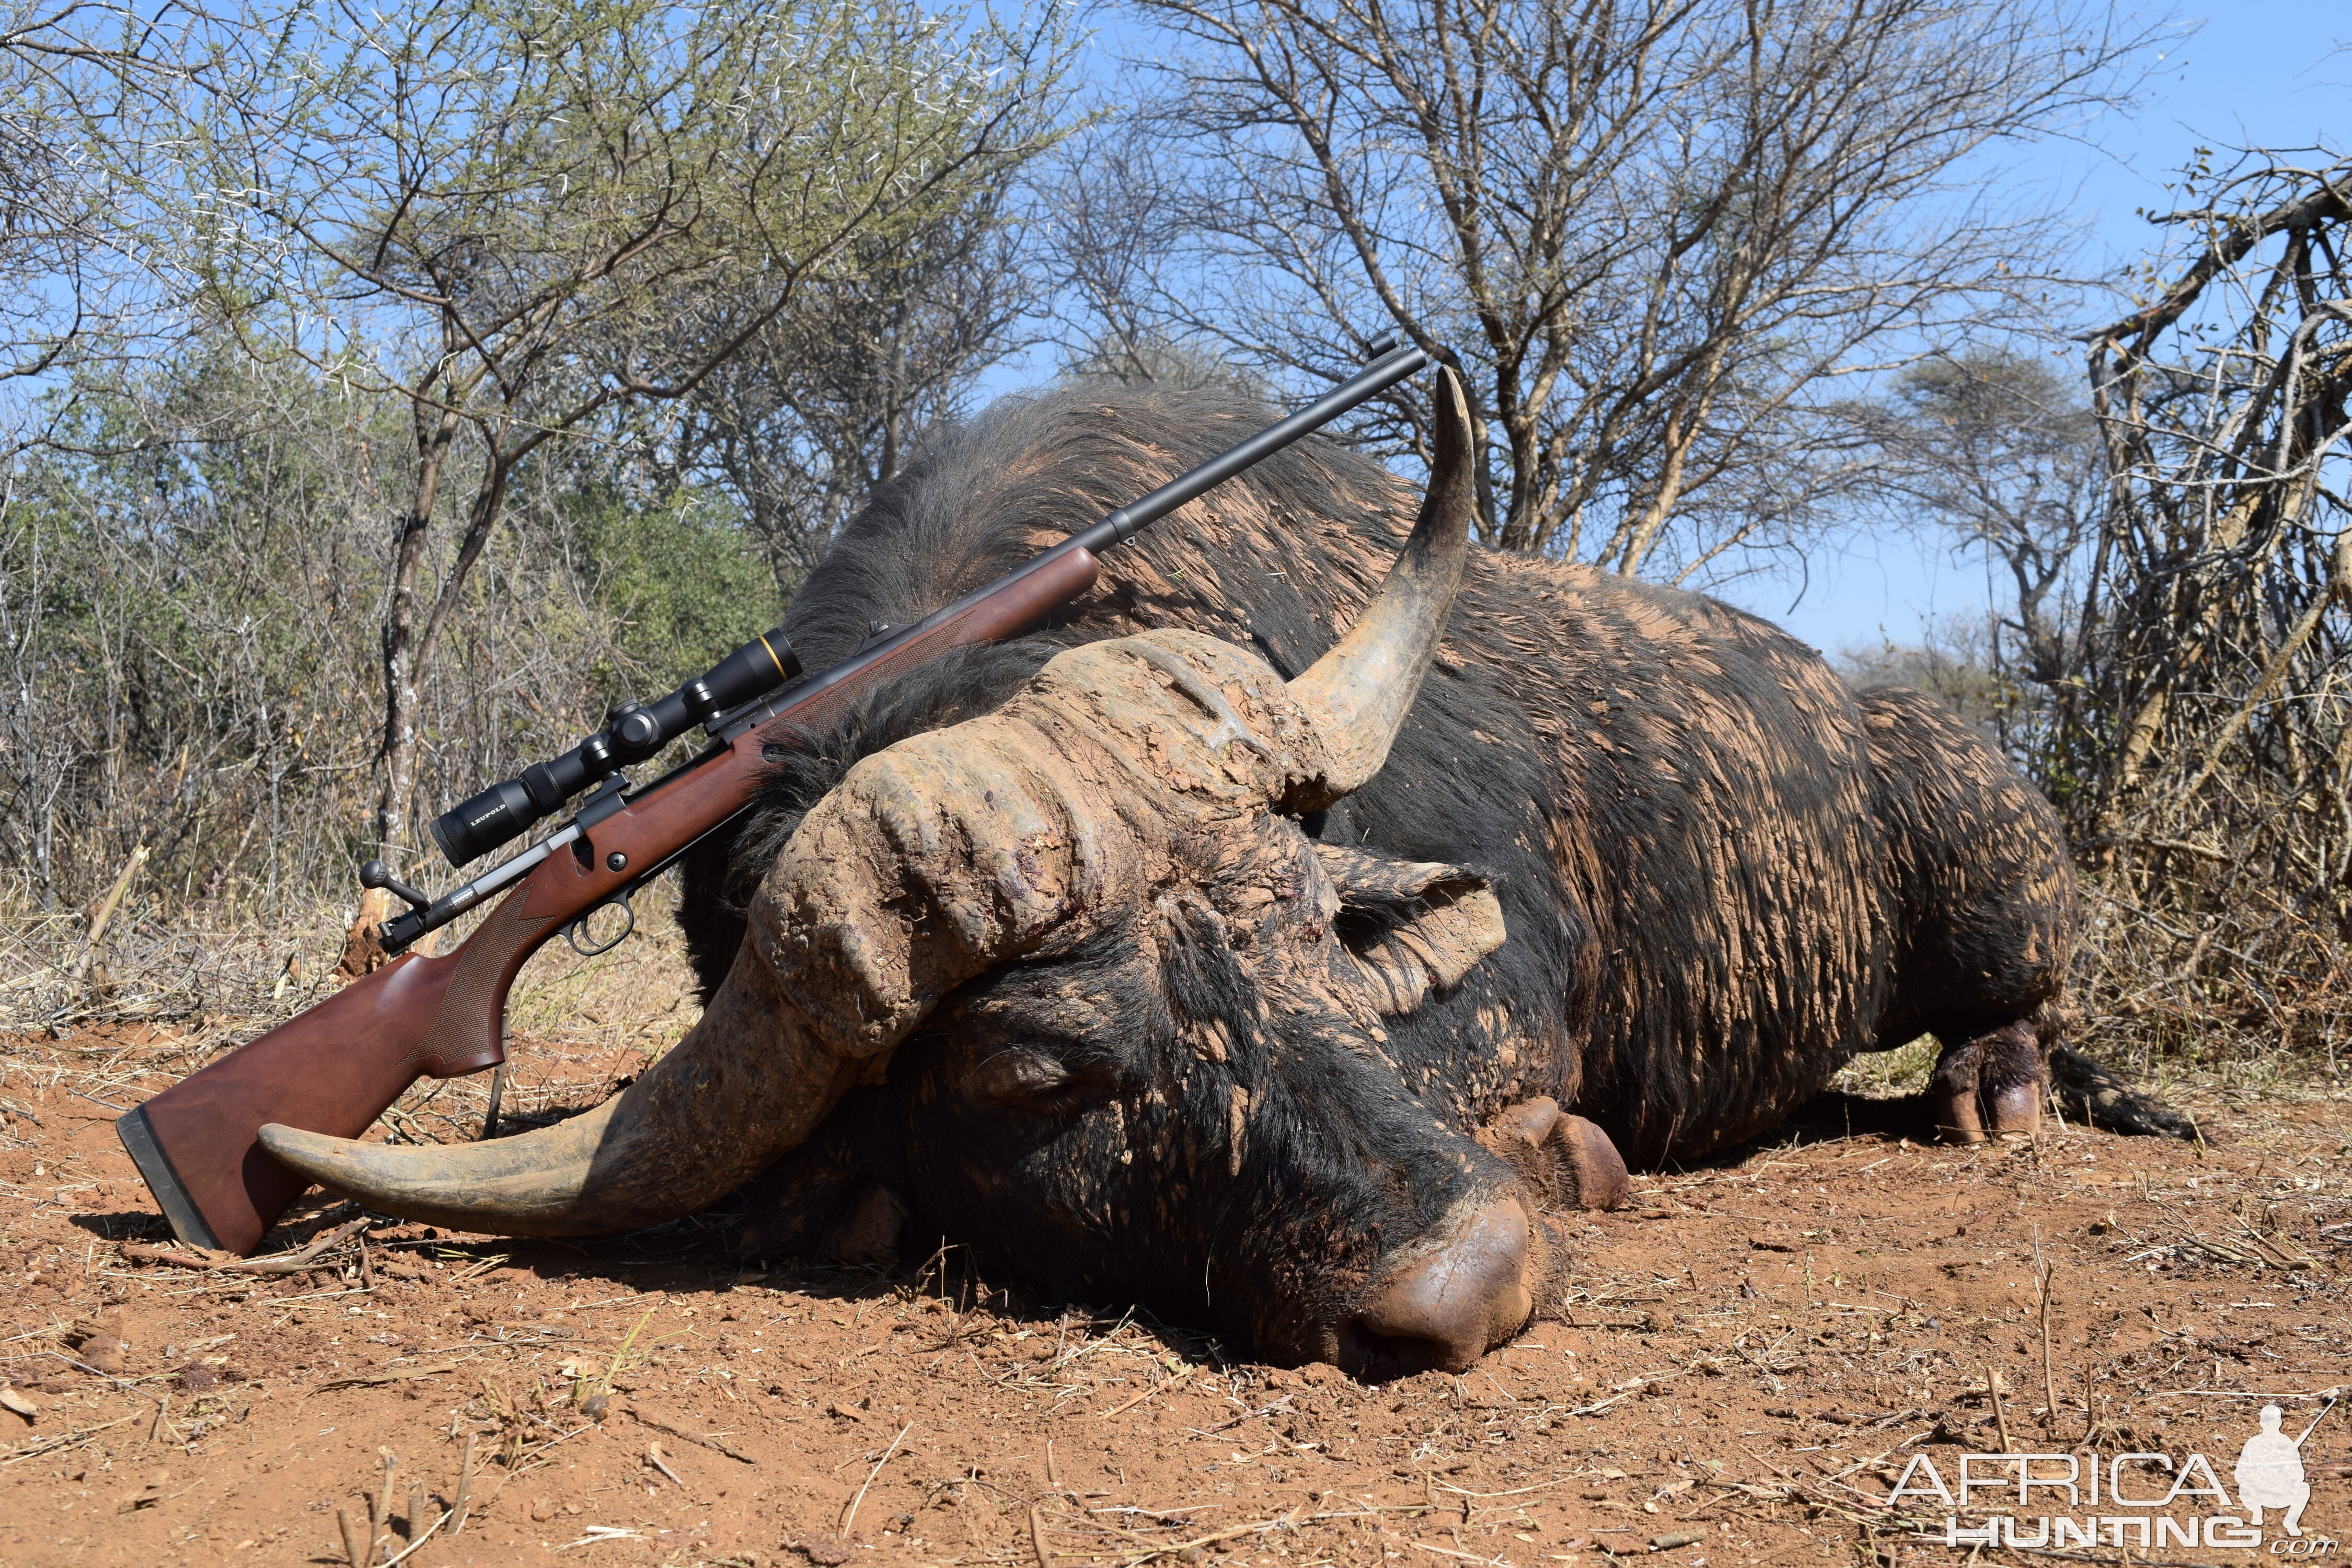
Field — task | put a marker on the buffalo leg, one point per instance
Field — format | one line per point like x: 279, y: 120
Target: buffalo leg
x: 1989, y: 1083
x: 1565, y: 1157
x: 2103, y: 1099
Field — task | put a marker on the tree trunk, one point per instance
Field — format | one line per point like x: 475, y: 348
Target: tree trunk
x: 396, y: 751
x: 1685, y: 420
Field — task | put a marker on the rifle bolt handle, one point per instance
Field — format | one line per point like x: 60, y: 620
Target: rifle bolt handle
x: 377, y: 874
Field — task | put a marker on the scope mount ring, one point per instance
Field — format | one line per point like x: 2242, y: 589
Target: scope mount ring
x: 578, y: 929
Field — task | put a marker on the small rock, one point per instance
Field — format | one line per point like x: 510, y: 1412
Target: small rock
x: 102, y: 1352
x: 542, y: 1510
x: 153, y: 1494
x: 821, y: 1547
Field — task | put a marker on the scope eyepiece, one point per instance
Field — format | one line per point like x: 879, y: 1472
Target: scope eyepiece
x: 632, y: 732
x: 756, y: 668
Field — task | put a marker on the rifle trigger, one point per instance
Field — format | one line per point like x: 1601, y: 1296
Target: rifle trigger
x: 577, y: 932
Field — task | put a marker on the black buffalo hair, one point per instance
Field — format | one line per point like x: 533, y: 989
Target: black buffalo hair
x: 984, y: 496
x: 1690, y: 824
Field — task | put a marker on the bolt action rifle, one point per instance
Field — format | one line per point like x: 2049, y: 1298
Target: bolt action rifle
x: 335, y: 1068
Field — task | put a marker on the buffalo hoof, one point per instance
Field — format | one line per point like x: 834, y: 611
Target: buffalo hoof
x: 1447, y: 1304
x: 1990, y: 1084
x: 1566, y: 1159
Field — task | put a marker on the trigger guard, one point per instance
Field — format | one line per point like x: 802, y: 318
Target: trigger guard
x: 573, y: 933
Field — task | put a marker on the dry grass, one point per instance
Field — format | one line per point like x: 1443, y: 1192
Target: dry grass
x: 151, y: 998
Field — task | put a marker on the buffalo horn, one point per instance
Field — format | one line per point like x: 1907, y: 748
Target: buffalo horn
x: 1358, y: 694
x: 651, y: 1153
x: 876, y: 907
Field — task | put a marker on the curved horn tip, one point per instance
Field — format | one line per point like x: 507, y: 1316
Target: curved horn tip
x: 749, y: 1081
x: 529, y: 1185
x: 1358, y: 693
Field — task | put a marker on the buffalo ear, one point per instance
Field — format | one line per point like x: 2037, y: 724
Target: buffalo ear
x: 1413, y: 926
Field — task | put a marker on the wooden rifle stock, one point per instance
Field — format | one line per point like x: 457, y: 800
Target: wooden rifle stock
x: 336, y: 1067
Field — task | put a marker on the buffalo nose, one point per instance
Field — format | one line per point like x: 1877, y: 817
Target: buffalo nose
x: 1449, y: 1305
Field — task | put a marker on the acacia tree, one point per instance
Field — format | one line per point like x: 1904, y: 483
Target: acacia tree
x: 512, y: 215
x: 2219, y: 662
x: 1648, y: 231
x: 44, y: 224
x: 1998, y: 449
x: 81, y: 84
x: 1994, y: 455
x: 2180, y: 554
x: 826, y: 402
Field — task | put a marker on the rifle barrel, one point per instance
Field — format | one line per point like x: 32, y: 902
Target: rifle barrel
x: 1131, y: 518
x: 808, y: 695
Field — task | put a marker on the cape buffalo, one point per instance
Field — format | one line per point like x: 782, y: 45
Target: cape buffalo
x: 1267, y: 944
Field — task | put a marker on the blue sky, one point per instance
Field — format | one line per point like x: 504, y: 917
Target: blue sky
x: 2264, y: 72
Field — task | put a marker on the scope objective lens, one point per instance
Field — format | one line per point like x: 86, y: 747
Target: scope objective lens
x: 481, y: 825
x: 631, y: 733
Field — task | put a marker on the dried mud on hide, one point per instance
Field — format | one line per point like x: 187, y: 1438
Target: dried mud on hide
x: 1743, y: 1363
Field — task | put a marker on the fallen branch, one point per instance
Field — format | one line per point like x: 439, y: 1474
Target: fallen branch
x: 64, y: 1440
x: 654, y: 1458
x: 230, y: 1262
x: 430, y: 1532
x: 375, y: 1379
x: 849, y: 1519
x: 1160, y: 1388
x: 707, y: 1439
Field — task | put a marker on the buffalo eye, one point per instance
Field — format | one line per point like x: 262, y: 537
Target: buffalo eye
x: 1022, y: 1076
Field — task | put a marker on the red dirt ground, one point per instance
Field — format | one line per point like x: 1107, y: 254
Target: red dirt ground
x: 1742, y: 1366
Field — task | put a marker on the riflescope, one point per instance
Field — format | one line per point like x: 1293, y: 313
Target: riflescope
x: 632, y: 732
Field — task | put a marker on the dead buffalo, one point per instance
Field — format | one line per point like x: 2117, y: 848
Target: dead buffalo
x: 1265, y: 943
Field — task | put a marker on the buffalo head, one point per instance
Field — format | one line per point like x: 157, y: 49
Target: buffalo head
x: 1120, y: 1017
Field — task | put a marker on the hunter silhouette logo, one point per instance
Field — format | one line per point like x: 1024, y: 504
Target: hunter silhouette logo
x: 2143, y: 1500
x: 2270, y: 1470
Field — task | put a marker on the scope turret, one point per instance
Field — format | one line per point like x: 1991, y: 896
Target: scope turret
x: 632, y: 732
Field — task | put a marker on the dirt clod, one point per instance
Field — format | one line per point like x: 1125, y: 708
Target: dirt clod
x: 821, y: 1547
